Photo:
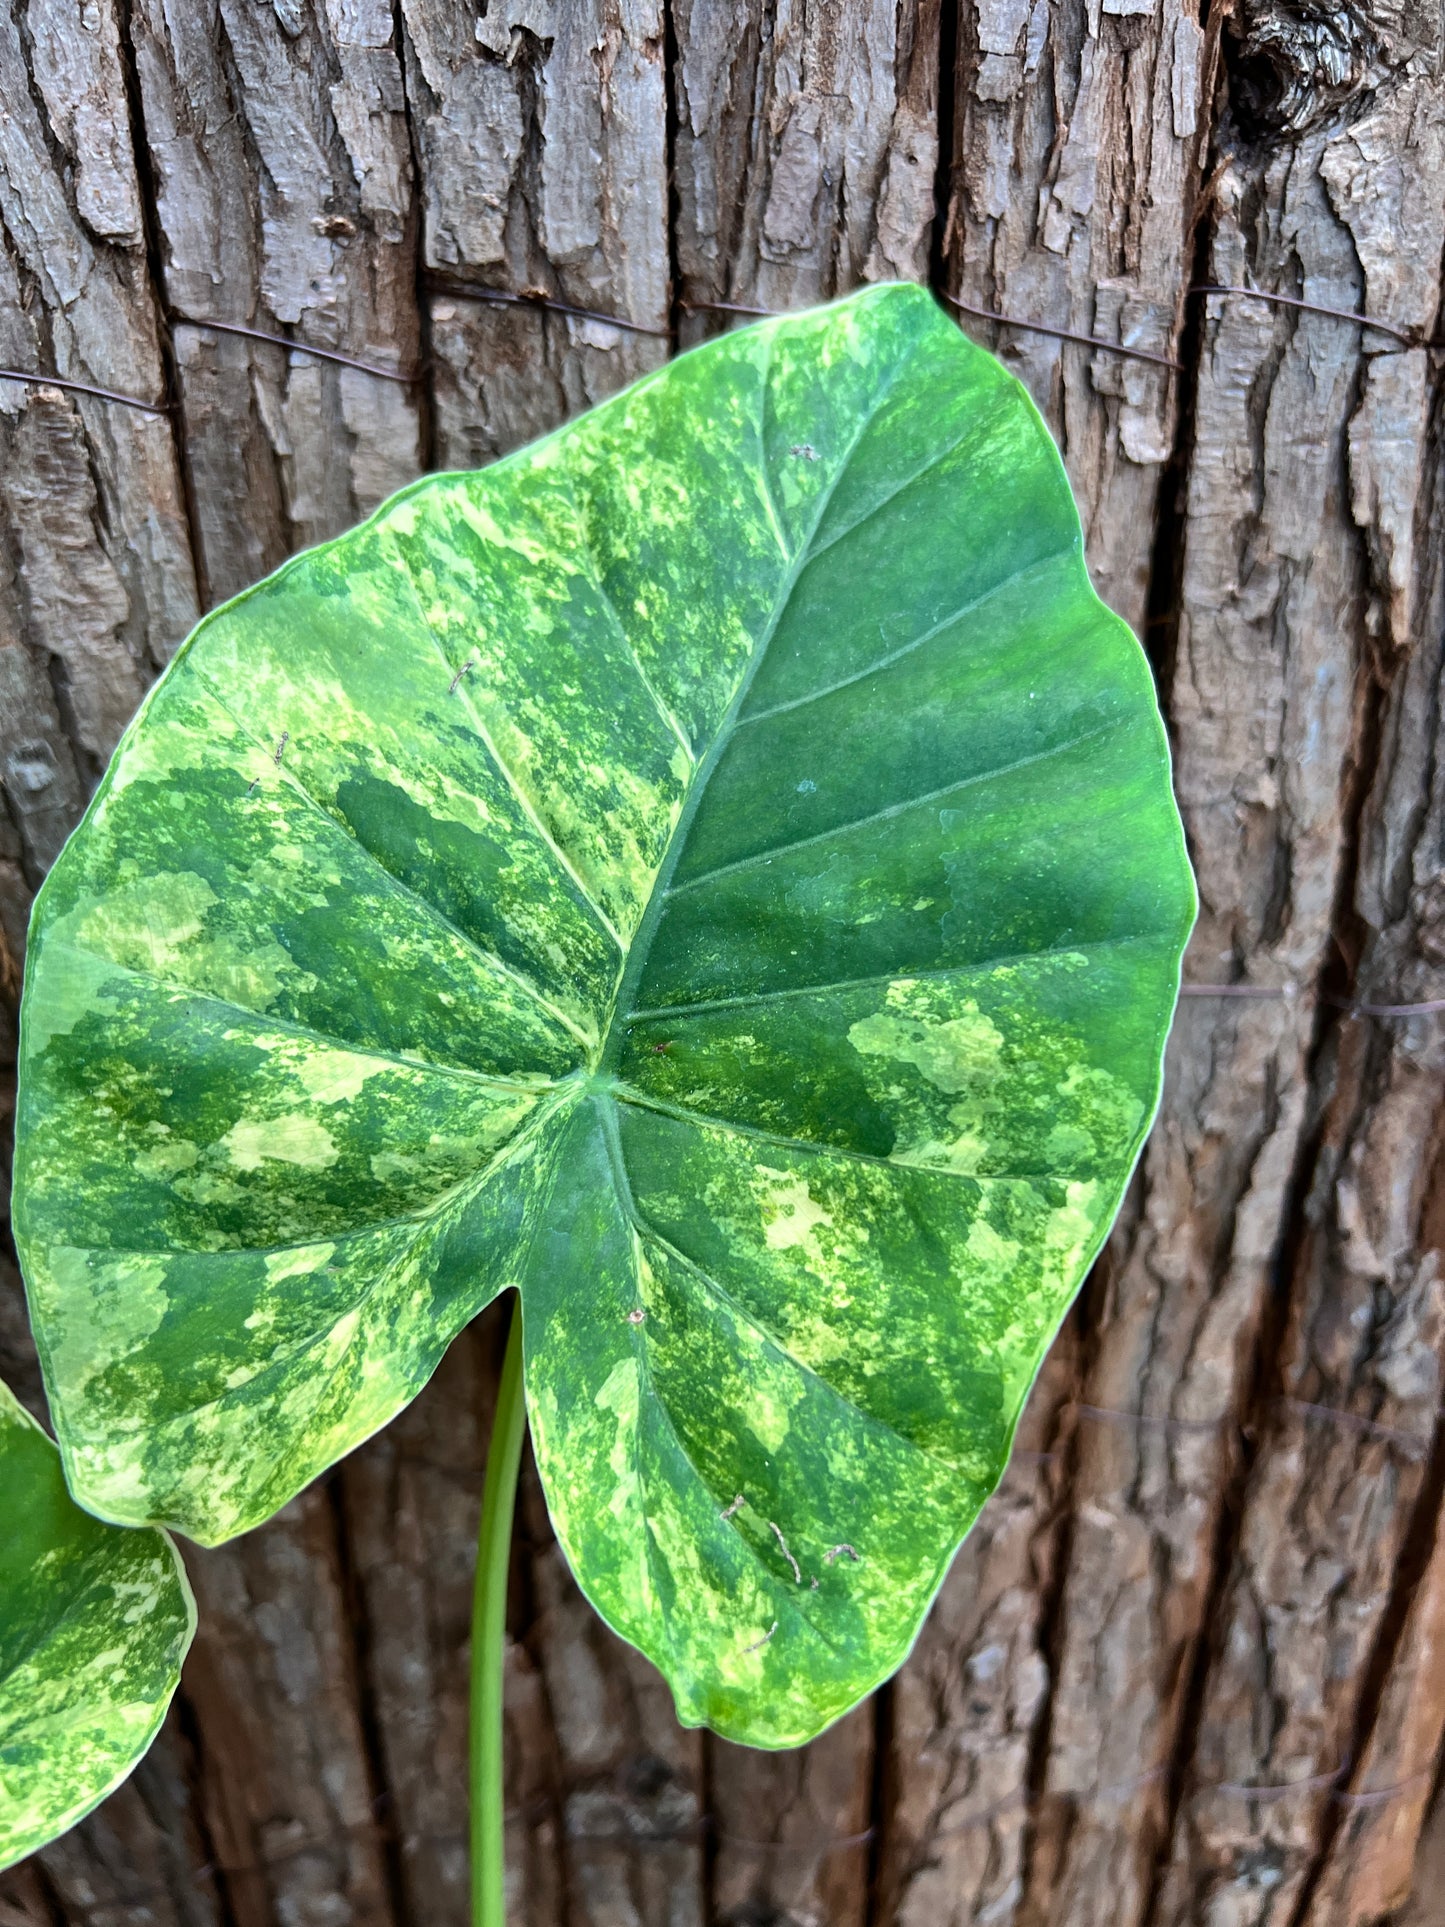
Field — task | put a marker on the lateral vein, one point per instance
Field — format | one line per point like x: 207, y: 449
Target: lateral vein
x: 893, y: 809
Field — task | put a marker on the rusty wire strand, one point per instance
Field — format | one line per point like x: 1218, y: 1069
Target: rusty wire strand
x: 1387, y: 1010
x: 1332, y: 1414
x: 86, y: 388
x: 537, y: 300
x: 1410, y: 337
x: 1060, y: 334
x: 1287, y: 992
x: 404, y: 378
x: 1147, y: 1421
x: 1381, y: 1796
x: 725, y: 307
x: 1357, y: 1422
x: 1280, y: 1790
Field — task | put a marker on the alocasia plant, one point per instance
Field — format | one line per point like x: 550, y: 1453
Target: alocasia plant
x: 714, y: 872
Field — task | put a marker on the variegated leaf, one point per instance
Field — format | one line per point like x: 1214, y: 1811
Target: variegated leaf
x: 94, y: 1624
x: 715, y: 871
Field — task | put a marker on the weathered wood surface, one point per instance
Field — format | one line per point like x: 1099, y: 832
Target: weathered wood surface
x: 1214, y: 1565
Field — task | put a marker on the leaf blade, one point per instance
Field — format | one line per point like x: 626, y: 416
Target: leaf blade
x: 94, y: 1624
x: 777, y: 823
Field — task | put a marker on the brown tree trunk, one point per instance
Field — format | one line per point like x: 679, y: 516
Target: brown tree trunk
x: 1190, y: 1667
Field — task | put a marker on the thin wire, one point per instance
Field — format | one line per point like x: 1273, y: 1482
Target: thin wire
x: 534, y: 298
x: 706, y: 1825
x: 1381, y: 1796
x: 984, y: 314
x: 1082, y: 1796
x: 1388, y: 1010
x: 1350, y: 1007
x: 405, y: 380
x: 1148, y: 1420
x: 466, y: 289
x: 1411, y: 338
x: 837, y: 1843
x: 1281, y: 1790
x: 1239, y: 990
x: 724, y: 307
x: 1061, y: 334
x: 87, y: 388
x: 1356, y: 1422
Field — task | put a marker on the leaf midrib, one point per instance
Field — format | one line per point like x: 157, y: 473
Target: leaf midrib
x: 639, y: 1231
x: 636, y: 955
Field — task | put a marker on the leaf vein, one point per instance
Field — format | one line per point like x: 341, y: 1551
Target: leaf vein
x: 762, y: 857
x: 901, y: 975
x: 426, y: 1224
x: 293, y: 1029
x: 401, y: 887
x: 709, y: 1120
x: 504, y: 769
x: 907, y: 648
x: 939, y: 456
x: 720, y: 1292
x: 637, y: 1225
x: 606, y: 598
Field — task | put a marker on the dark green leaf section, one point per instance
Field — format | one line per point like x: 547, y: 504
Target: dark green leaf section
x: 714, y: 871
x: 94, y: 1624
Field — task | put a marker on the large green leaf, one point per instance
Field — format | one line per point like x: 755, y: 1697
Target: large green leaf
x: 715, y: 871
x: 94, y: 1624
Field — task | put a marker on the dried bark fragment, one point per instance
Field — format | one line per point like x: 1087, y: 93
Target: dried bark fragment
x: 285, y: 1789
x: 541, y: 136
x: 411, y: 1502
x: 629, y: 1778
x: 807, y: 146
x: 278, y: 143
x: 1423, y: 1904
x: 94, y: 555
x: 1078, y: 143
x: 1371, y: 1861
x: 23, y: 1899
x: 791, y: 1830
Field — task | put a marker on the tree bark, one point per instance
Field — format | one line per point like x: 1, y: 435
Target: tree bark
x: 1190, y: 1666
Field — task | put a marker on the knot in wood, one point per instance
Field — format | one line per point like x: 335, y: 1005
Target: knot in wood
x: 1296, y: 62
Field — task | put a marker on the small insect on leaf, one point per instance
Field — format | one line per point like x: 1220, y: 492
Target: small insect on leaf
x: 723, y: 881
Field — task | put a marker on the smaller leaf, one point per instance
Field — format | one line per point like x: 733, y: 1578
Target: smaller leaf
x: 94, y: 1623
